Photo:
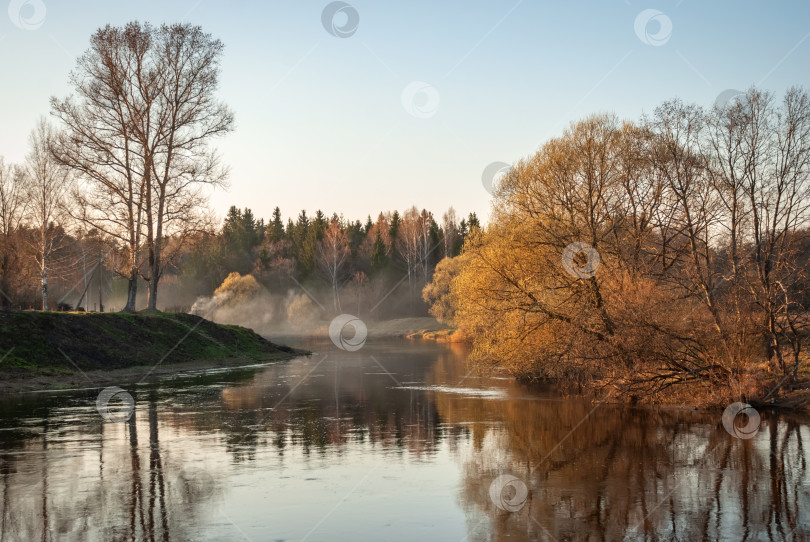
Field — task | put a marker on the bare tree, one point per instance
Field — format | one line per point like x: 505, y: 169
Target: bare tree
x: 12, y: 212
x: 139, y: 133
x: 692, y: 201
x: 450, y: 232
x: 332, y: 256
x: 777, y: 192
x: 98, y: 142
x: 47, y: 185
x: 409, y: 242
x: 175, y: 132
x: 426, y: 246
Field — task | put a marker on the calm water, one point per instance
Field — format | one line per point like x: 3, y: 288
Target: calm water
x: 392, y: 442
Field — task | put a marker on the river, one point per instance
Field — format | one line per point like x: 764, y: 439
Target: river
x: 395, y: 441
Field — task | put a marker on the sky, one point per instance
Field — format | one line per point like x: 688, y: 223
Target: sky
x: 364, y: 106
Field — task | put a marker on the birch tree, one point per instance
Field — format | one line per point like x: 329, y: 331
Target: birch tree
x: 332, y: 256
x: 47, y: 188
x: 138, y: 130
x: 97, y: 141
x: 175, y: 133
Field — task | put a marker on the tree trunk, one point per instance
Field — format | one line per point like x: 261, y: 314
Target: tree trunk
x: 44, y: 270
x: 44, y: 290
x: 151, y: 289
x: 132, y: 290
x: 151, y: 293
x: 156, y: 246
x: 5, y: 301
x: 776, y: 363
x: 101, y: 284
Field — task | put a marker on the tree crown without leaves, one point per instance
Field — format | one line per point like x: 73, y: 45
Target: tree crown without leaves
x: 137, y: 131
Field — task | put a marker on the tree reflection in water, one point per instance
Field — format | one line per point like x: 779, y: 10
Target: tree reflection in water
x: 604, y: 473
x: 630, y: 473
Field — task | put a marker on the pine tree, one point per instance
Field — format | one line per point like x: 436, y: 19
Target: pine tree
x: 379, y: 258
x: 249, y: 231
x: 232, y: 222
x: 299, y: 235
x: 393, y: 230
x: 306, y: 255
x: 275, y: 230
x: 472, y: 221
x: 319, y: 222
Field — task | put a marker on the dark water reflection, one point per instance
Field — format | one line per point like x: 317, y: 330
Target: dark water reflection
x: 394, y: 442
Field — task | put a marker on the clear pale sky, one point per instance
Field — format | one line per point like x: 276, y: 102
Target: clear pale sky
x: 320, y: 120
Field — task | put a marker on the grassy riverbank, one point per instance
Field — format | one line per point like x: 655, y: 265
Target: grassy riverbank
x: 57, y: 350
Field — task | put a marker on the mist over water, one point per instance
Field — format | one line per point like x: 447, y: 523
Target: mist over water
x: 305, y: 310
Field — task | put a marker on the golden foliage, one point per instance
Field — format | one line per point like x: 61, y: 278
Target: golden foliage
x: 438, y: 294
x: 643, y: 302
x: 237, y: 289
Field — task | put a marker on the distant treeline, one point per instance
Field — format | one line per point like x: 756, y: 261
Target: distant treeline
x: 392, y: 256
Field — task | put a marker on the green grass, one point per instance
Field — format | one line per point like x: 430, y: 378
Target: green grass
x: 93, y: 341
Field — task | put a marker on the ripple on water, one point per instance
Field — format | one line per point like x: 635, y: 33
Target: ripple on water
x: 474, y: 392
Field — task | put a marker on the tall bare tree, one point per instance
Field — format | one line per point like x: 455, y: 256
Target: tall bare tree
x: 777, y: 192
x: 175, y: 130
x: 47, y: 187
x: 139, y: 134
x: 98, y: 142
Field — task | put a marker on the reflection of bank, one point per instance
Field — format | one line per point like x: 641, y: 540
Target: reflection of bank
x: 508, y: 493
x: 86, y: 478
x: 654, y: 474
x: 741, y: 420
x: 340, y: 398
x: 115, y: 404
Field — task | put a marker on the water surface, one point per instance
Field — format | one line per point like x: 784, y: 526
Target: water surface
x: 393, y: 442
